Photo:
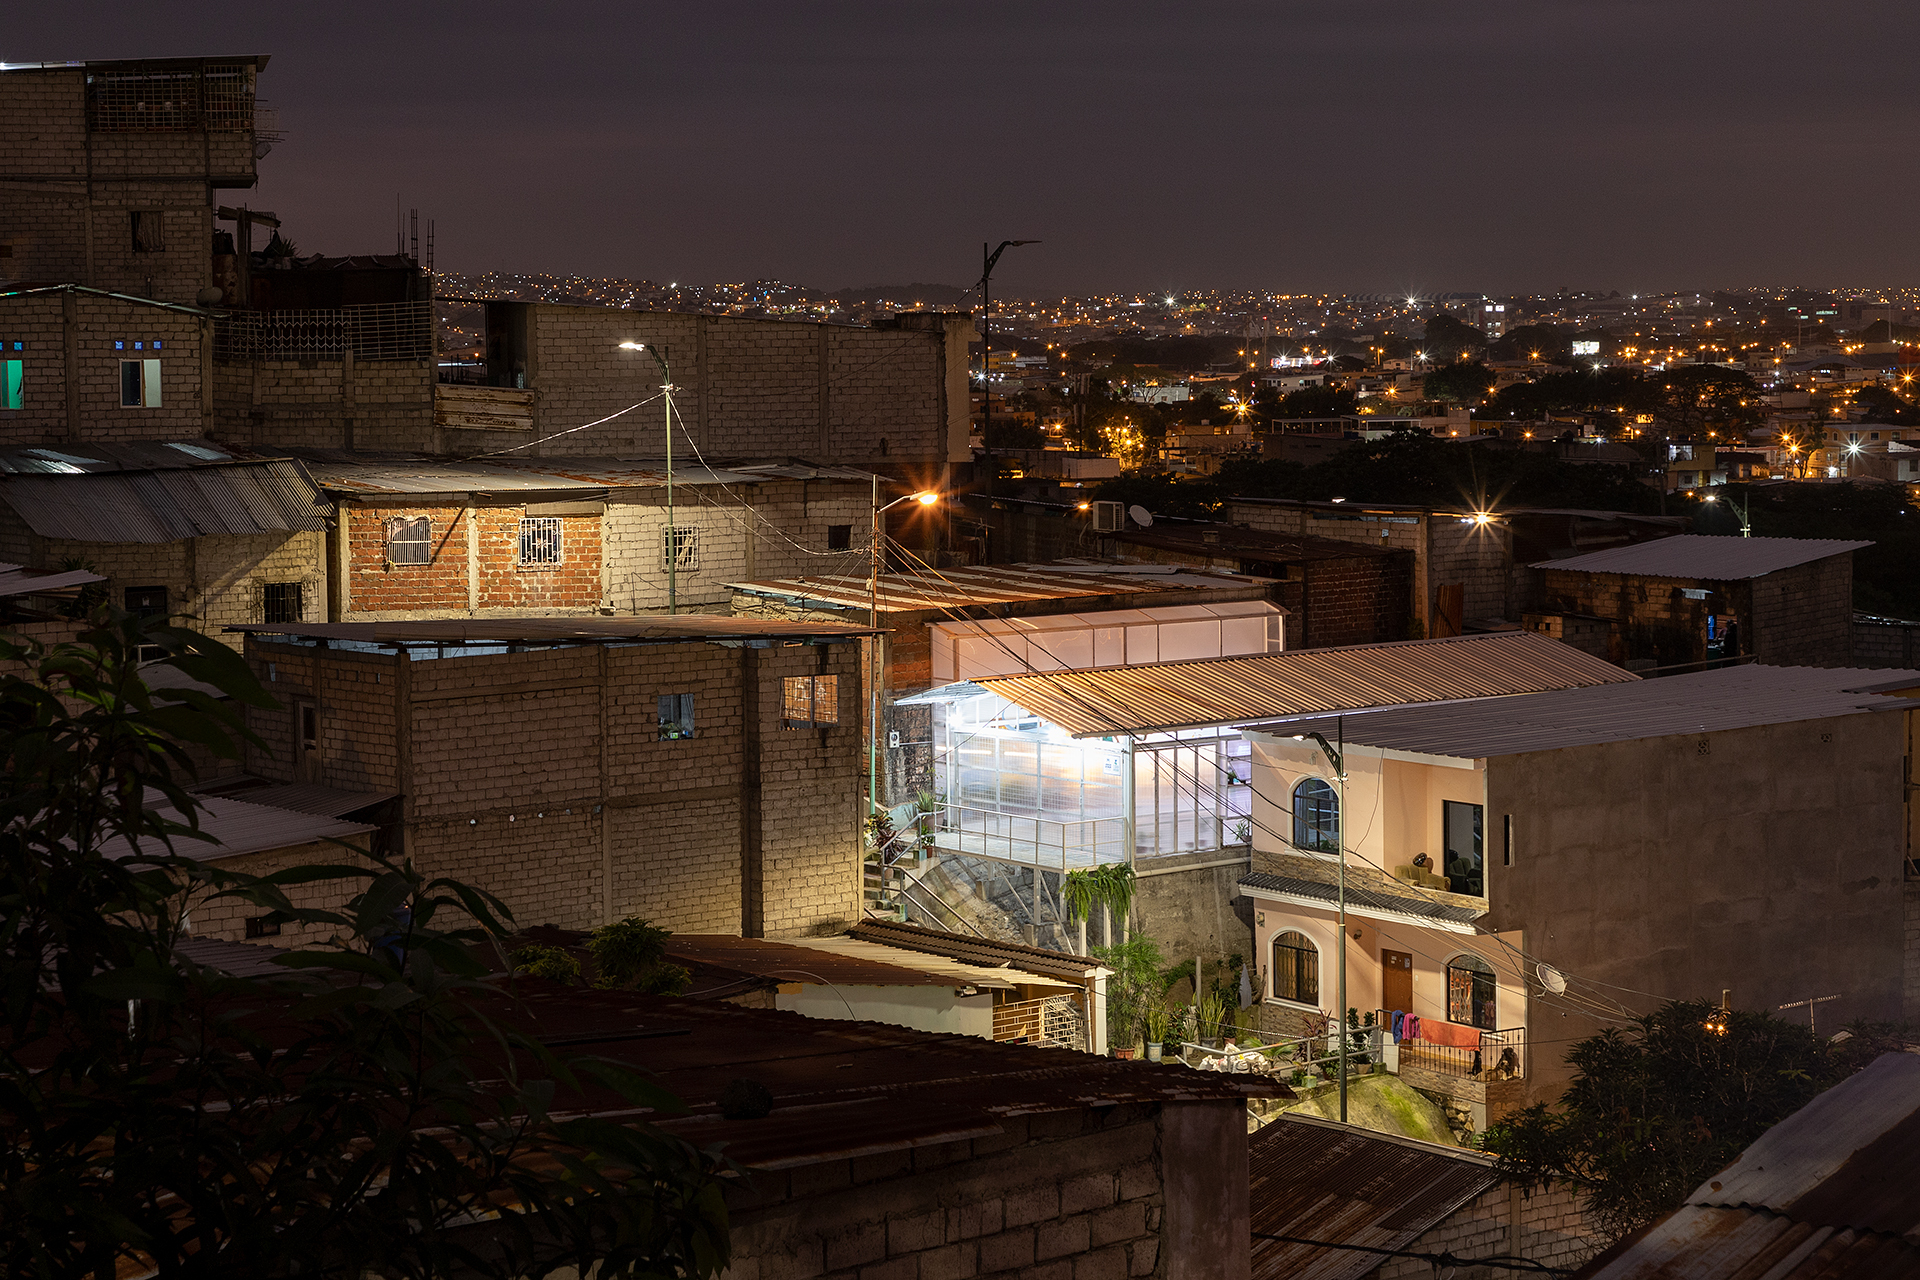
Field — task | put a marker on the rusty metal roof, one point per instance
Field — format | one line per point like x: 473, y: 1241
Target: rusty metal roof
x: 1219, y: 691
x: 1250, y: 544
x: 651, y: 629
x: 1318, y: 1180
x: 168, y: 505
x: 960, y: 588
x: 347, y: 476
x: 18, y: 580
x: 785, y: 962
x: 238, y: 827
x: 985, y: 952
x: 1703, y: 556
x: 1827, y: 1192
x: 1698, y: 702
x: 301, y: 797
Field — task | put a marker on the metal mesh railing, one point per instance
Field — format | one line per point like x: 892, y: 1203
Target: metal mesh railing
x: 216, y: 96
x: 376, y: 331
x: 1052, y: 1020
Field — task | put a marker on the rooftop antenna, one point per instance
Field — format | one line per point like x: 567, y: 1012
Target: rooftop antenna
x: 413, y: 225
x: 399, y: 227
x: 429, y: 246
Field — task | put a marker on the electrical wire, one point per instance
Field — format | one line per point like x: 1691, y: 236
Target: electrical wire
x: 1511, y: 1262
x: 1617, y: 1013
x: 569, y: 431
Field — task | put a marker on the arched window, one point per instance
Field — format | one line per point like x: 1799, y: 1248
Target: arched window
x: 1316, y: 816
x: 1470, y: 990
x: 1296, y: 969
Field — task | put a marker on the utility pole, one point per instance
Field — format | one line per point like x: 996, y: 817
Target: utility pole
x: 671, y: 542
x: 987, y: 259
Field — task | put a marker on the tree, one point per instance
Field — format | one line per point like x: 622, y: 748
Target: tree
x: 375, y: 1108
x: 1535, y: 342
x: 1317, y: 402
x: 1449, y: 339
x: 1655, y: 1110
x: 1463, y: 382
x: 1698, y: 397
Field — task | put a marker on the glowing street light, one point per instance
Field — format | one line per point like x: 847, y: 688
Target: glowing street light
x: 672, y: 536
x: 925, y: 498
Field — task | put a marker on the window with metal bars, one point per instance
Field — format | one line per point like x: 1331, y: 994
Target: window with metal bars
x: 1471, y: 993
x: 839, y: 537
x: 281, y: 602
x: 680, y: 548
x: 540, y: 540
x: 1296, y: 969
x: 810, y: 700
x: 409, y: 540
x: 217, y: 96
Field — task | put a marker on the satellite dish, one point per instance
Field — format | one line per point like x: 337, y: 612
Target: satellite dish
x: 1551, y: 978
x: 1141, y: 516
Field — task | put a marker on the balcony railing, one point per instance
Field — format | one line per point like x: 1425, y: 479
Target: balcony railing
x: 374, y: 331
x: 1047, y: 843
x: 1502, y: 1055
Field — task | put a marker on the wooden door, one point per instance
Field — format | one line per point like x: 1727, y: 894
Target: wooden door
x: 1396, y: 981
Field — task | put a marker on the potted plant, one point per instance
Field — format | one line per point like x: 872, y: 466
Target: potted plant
x: 1156, y: 1023
x: 1209, y: 1014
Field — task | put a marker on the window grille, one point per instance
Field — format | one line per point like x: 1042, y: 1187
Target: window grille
x: 810, y: 700
x: 1470, y: 993
x: 680, y: 548
x: 372, y: 331
x: 409, y: 540
x: 217, y: 96
x: 676, y: 716
x: 1296, y: 969
x: 540, y: 540
x: 839, y: 537
x: 281, y: 602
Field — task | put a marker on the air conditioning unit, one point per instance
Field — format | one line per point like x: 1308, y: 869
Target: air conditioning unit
x: 1109, y: 517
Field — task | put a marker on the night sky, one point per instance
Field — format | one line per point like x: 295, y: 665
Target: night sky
x: 1407, y: 148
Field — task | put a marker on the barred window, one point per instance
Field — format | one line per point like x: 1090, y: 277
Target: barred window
x: 281, y: 602
x: 409, y: 540
x: 1471, y: 992
x: 1296, y: 969
x: 680, y: 548
x: 839, y: 537
x: 810, y: 700
x: 540, y: 540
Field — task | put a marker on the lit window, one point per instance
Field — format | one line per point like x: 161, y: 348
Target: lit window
x: 1316, y: 816
x: 676, y: 716
x: 810, y: 700
x: 409, y: 540
x: 139, y: 384
x: 1470, y: 993
x: 1296, y: 969
x: 540, y: 540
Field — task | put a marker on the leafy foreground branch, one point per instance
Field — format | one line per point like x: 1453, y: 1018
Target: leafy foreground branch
x: 1656, y: 1110
x: 382, y: 1106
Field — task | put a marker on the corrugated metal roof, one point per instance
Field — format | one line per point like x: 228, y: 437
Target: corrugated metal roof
x: 784, y: 961
x: 238, y: 827
x: 1250, y: 544
x: 1827, y: 1192
x: 168, y: 505
x: 422, y: 476
x: 1220, y: 691
x: 985, y: 952
x: 1702, y: 556
x: 18, y: 580
x: 301, y: 797
x: 983, y: 585
x: 235, y: 959
x: 653, y: 628
x: 129, y: 455
x: 1730, y: 698
x: 947, y: 972
x: 1360, y: 899
x: 1317, y: 1180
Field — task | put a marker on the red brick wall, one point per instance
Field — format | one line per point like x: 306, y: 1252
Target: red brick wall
x: 374, y: 586
x: 443, y: 584
x: 505, y: 583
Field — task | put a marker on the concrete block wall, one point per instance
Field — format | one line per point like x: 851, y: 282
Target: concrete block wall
x: 1547, y: 1226
x: 1476, y: 556
x: 744, y: 387
x: 541, y: 777
x: 1076, y: 1195
x: 209, y: 916
x: 212, y: 582
x: 42, y: 322
x: 328, y: 404
x: 1804, y: 615
x: 1886, y: 644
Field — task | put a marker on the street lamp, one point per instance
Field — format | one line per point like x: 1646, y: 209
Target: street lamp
x: 925, y: 498
x: 986, y: 350
x: 672, y: 543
